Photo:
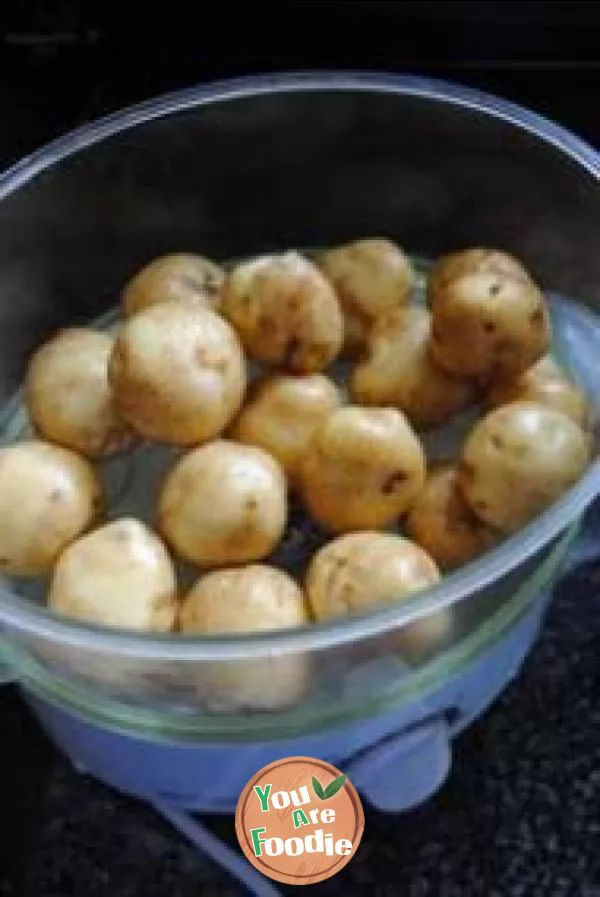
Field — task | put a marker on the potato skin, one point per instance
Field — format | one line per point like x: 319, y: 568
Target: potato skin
x: 364, y: 467
x: 255, y: 598
x: 546, y: 384
x: 48, y: 497
x: 454, y: 265
x: 285, y: 312
x: 281, y: 414
x: 443, y: 524
x: 223, y: 504
x: 177, y: 373
x: 518, y: 460
x: 68, y: 396
x: 399, y: 371
x: 175, y: 276
x: 359, y: 571
x: 489, y: 319
x: 371, y: 276
x: 118, y: 575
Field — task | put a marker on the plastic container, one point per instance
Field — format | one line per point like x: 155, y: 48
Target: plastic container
x: 265, y: 164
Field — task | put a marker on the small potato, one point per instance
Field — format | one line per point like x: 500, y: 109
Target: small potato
x: 222, y: 504
x: 364, y: 468
x: 176, y: 276
x: 282, y: 413
x: 489, y: 319
x: 359, y: 571
x: 442, y: 523
x: 371, y: 277
x: 251, y: 599
x: 68, y: 395
x: 48, y: 497
x: 455, y: 265
x: 518, y: 460
x: 118, y: 575
x: 178, y: 373
x: 546, y: 384
x: 399, y: 371
x: 285, y: 312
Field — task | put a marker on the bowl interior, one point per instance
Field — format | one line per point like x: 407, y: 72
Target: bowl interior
x: 275, y: 163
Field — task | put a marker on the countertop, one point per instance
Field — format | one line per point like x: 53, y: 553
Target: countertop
x: 520, y: 813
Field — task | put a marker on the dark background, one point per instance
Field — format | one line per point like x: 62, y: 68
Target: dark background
x: 62, y: 63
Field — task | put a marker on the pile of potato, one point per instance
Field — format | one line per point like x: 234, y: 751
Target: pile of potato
x: 177, y: 373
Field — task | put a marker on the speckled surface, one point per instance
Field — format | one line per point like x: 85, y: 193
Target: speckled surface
x: 518, y: 817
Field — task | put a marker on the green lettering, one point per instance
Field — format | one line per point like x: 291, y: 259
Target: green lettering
x: 263, y: 796
x: 300, y: 818
x: 257, y: 841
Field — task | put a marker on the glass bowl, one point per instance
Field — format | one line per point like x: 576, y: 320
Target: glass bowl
x: 265, y: 164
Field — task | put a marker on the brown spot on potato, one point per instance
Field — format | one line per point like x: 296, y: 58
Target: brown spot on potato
x: 467, y: 470
x: 291, y: 347
x: 56, y: 496
x: 489, y: 326
x: 495, y: 289
x: 497, y: 441
x: 395, y: 479
x: 251, y: 504
x: 537, y: 317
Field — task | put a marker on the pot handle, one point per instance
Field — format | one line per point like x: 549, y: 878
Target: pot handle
x: 405, y: 769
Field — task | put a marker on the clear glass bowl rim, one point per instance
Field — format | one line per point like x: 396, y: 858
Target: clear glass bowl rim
x: 36, y: 621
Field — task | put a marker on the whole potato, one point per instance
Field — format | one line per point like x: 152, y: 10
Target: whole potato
x: 48, y: 497
x: 454, y: 265
x: 359, y: 571
x: 118, y: 575
x: 281, y: 414
x: 68, y: 395
x: 285, y: 312
x: 255, y: 598
x: 442, y: 523
x: 177, y: 373
x: 546, y: 384
x: 223, y: 504
x: 371, y: 277
x: 489, y: 319
x: 364, y: 468
x: 400, y: 371
x: 176, y: 276
x: 518, y: 460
